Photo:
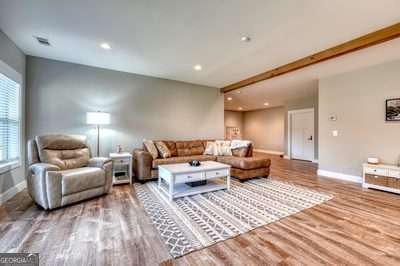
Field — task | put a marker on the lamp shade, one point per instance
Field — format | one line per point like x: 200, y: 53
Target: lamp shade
x: 97, y: 118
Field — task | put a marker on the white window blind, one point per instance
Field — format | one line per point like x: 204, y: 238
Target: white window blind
x: 9, y: 120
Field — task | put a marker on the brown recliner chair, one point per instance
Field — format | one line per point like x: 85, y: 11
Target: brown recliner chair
x: 61, y: 171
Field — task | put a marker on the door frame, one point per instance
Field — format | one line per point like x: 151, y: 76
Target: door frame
x: 289, y: 127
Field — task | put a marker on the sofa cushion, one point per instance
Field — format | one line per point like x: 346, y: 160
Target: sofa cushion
x: 183, y: 159
x: 189, y: 147
x: 149, y: 146
x: 244, y: 163
x: 163, y: 150
x: 80, y: 179
x: 171, y: 147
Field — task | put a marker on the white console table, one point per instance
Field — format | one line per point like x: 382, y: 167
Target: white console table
x: 382, y: 176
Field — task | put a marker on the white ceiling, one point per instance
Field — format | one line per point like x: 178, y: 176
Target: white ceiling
x: 165, y: 38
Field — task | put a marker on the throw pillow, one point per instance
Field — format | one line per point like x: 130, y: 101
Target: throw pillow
x: 223, y: 148
x: 150, y: 147
x: 240, y: 152
x: 210, y: 147
x: 240, y: 148
x: 163, y: 149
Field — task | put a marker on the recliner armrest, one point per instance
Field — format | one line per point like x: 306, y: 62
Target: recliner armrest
x: 105, y: 164
x: 39, y: 168
x: 44, y: 184
x: 98, y: 162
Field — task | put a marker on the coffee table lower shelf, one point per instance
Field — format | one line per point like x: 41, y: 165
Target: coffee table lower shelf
x: 183, y: 190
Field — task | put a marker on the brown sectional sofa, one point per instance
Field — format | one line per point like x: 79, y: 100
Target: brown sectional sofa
x: 243, y: 168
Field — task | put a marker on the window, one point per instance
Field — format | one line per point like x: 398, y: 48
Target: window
x: 10, y: 118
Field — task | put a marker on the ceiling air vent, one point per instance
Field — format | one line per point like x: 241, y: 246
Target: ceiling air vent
x: 42, y: 41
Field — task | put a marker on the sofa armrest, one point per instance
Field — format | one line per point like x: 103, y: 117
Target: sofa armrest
x: 98, y: 162
x: 250, y: 150
x: 142, y: 164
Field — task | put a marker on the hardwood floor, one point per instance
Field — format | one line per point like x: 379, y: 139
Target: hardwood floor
x: 356, y: 227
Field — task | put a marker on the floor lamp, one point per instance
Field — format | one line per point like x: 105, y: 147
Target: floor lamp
x: 98, y: 119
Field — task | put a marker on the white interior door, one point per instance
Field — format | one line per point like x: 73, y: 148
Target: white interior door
x: 302, y: 135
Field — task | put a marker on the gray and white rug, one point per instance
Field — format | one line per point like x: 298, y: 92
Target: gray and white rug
x: 191, y: 223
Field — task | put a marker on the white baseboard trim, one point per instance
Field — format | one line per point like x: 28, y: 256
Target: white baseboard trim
x: 288, y: 158
x: 350, y: 178
x: 11, y: 192
x: 269, y: 151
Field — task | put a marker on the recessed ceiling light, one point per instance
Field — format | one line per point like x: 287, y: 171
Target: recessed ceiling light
x: 105, y: 46
x: 229, y: 98
x: 238, y: 92
x: 198, y: 67
x: 240, y: 108
x: 266, y: 104
x: 245, y: 39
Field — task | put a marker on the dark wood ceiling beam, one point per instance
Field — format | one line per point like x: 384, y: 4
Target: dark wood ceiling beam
x: 377, y: 37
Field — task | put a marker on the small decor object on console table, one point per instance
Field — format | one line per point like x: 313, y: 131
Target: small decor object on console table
x: 382, y: 177
x: 373, y: 160
x: 122, y: 167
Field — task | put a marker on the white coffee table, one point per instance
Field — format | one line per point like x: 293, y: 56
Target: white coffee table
x: 172, y: 178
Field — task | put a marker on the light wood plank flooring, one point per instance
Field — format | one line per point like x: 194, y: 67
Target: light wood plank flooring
x: 358, y: 226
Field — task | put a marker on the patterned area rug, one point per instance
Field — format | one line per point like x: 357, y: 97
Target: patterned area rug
x: 191, y: 223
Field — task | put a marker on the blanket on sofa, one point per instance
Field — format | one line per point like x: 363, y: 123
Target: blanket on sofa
x: 237, y: 143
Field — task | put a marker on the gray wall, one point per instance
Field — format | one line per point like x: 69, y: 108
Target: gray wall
x: 59, y: 94
x: 234, y: 119
x: 303, y: 103
x: 358, y: 100
x: 265, y: 128
x: 13, y: 57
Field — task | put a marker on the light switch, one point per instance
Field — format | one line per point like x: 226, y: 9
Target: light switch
x: 335, y: 133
